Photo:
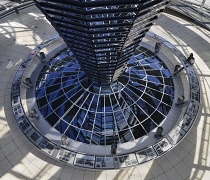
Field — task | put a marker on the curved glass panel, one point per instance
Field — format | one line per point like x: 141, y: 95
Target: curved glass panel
x: 126, y: 110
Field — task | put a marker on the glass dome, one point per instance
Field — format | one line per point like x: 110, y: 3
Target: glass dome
x: 128, y: 109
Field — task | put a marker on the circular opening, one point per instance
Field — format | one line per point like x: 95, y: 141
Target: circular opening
x: 126, y: 110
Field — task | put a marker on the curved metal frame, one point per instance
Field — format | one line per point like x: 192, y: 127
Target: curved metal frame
x: 154, y: 151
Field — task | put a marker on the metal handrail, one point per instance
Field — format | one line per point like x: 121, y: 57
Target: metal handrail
x: 202, y: 16
x: 200, y: 4
x: 16, y: 9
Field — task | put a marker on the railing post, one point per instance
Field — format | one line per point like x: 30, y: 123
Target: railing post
x: 202, y: 4
x: 16, y: 10
x: 64, y: 140
x: 157, y: 47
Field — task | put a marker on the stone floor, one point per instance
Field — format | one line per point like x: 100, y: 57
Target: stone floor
x: 19, y: 159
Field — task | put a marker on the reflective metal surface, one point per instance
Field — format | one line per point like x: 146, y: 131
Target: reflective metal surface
x: 102, y: 34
